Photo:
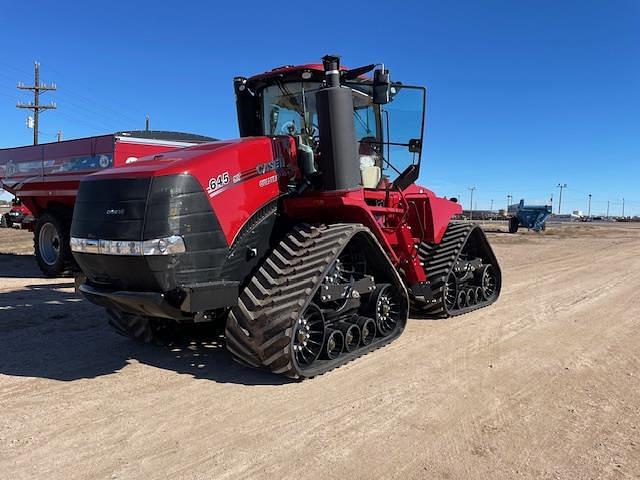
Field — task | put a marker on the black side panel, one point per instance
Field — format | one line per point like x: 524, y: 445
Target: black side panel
x: 253, y: 243
x: 247, y: 108
x: 179, y: 206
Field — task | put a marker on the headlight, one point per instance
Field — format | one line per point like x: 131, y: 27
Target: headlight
x: 164, y: 246
x: 159, y: 246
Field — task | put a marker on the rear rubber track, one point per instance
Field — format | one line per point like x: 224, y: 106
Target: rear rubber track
x: 438, y: 261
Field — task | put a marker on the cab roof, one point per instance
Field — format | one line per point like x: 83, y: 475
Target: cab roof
x: 289, y: 73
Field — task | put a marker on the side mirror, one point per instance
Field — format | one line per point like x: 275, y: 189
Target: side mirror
x: 415, y: 145
x: 381, y: 87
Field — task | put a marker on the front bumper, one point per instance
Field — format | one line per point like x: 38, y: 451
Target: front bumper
x: 193, y: 299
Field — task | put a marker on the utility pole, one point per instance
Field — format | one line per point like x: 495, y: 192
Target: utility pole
x: 608, y: 201
x: 491, y: 209
x: 471, y: 189
x: 589, y: 214
x: 622, y: 207
x: 560, y: 186
x: 37, y: 87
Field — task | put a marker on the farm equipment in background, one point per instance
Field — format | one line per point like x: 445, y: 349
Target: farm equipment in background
x: 307, y: 238
x: 532, y: 217
x: 18, y: 217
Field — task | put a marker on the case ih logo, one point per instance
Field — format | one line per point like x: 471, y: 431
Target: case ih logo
x: 277, y: 164
x: 115, y: 211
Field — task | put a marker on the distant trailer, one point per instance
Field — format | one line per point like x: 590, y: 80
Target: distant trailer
x: 46, y: 177
x: 533, y: 217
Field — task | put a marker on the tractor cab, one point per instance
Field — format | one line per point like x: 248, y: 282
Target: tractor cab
x: 387, y: 118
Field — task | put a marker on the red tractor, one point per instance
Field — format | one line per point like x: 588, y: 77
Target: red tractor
x: 19, y: 216
x: 307, y: 236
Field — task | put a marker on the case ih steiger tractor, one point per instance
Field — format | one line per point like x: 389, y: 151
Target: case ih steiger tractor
x: 307, y: 236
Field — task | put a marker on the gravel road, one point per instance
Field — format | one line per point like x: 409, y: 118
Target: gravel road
x: 545, y: 384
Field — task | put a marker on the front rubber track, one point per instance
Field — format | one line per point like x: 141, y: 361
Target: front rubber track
x: 259, y: 328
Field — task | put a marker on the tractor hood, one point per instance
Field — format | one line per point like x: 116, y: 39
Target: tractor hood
x: 183, y: 160
x: 199, y: 197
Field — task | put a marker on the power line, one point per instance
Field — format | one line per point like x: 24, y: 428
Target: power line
x: 102, y: 106
x: 36, y: 88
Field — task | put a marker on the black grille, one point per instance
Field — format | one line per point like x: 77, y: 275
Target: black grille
x: 144, y: 209
x: 111, y: 209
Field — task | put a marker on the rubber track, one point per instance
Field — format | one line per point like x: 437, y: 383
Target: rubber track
x: 259, y: 328
x: 438, y: 260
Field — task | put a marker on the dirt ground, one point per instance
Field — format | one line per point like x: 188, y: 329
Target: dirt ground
x: 545, y: 384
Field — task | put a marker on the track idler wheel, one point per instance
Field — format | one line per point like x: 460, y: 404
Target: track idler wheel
x: 387, y: 308
x: 308, y: 335
x: 352, y: 335
x: 450, y: 292
x: 367, y: 330
x: 479, y: 294
x: 334, y: 345
x: 472, y: 298
x: 461, y: 301
x: 488, y: 282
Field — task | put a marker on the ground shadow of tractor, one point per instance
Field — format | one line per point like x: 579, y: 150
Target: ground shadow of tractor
x: 48, y: 332
x: 18, y: 266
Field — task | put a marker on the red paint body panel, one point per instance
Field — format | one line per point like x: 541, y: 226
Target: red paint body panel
x: 399, y: 220
x: 47, y: 174
x: 247, y: 189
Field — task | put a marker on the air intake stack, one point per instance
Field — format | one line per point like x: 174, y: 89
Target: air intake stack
x: 338, y: 147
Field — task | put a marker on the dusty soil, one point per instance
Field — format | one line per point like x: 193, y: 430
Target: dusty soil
x: 544, y: 384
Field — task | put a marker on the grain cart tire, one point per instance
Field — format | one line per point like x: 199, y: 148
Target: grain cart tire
x: 513, y: 224
x: 51, y: 245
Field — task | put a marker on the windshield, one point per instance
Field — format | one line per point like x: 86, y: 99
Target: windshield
x: 290, y: 109
x: 389, y: 136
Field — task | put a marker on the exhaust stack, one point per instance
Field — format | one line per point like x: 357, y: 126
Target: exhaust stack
x: 339, y: 162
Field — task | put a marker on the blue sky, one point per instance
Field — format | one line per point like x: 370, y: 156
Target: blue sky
x: 522, y: 94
